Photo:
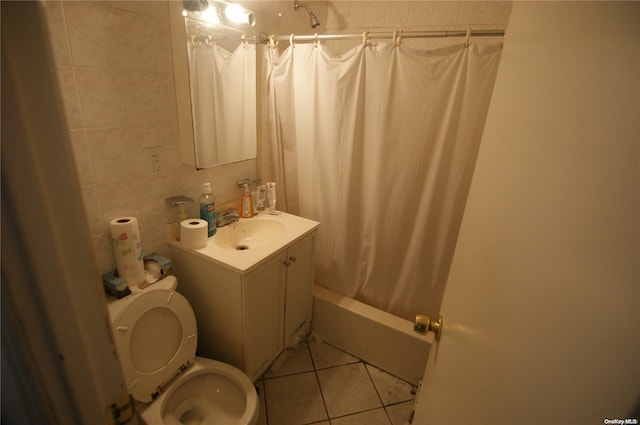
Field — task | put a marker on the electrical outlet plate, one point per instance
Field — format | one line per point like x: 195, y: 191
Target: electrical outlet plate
x: 156, y: 161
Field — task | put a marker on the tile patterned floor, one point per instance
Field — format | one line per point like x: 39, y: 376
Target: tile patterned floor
x: 321, y: 385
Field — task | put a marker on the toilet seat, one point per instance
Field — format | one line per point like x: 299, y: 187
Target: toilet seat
x: 155, y: 336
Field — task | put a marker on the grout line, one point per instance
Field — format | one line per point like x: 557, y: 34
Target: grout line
x: 357, y: 359
x: 359, y: 412
x: 315, y: 372
x: 378, y: 394
x: 313, y: 362
x: 374, y: 384
x: 324, y: 403
x: 268, y: 378
x: 340, y: 365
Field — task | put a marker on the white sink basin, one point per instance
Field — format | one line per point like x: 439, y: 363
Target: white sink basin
x: 249, y: 234
x: 243, y: 245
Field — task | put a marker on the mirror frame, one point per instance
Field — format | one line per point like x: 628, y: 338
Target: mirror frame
x: 182, y: 83
x: 183, y: 91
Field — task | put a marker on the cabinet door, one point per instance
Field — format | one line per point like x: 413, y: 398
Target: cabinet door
x: 298, y: 285
x: 263, y: 315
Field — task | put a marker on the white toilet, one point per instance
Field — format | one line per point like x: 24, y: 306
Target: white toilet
x: 156, y: 338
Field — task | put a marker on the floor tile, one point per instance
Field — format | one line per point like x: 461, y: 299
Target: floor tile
x: 325, y: 355
x: 390, y: 388
x: 294, y: 399
x: 400, y: 413
x: 371, y: 417
x: 296, y: 360
x: 347, y: 389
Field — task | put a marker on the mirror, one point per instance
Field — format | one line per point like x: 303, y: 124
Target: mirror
x: 215, y: 76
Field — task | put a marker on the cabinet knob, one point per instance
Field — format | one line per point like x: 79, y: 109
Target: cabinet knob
x: 293, y: 259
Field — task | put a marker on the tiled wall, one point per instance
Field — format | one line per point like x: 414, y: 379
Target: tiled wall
x: 360, y: 16
x: 115, y: 70
x: 340, y: 16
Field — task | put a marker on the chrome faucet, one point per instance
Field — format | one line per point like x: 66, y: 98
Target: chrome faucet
x: 242, y: 182
x: 229, y: 216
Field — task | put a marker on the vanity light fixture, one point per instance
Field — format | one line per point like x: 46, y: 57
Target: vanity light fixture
x: 239, y: 15
x: 218, y: 12
x: 211, y: 14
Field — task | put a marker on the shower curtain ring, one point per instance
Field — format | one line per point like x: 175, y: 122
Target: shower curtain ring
x: 291, y: 39
x: 365, y: 38
x: 467, y: 41
x: 272, y: 41
x: 397, y: 38
x: 315, y: 41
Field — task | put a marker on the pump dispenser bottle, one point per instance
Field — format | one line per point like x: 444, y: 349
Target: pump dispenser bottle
x: 246, y: 203
x: 208, y: 208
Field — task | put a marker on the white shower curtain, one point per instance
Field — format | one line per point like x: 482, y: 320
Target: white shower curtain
x: 379, y: 145
x: 223, y: 97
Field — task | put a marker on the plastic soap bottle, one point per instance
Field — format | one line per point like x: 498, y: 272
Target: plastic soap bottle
x: 208, y: 208
x: 246, y: 203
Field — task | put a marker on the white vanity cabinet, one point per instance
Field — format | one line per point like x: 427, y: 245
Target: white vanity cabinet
x: 298, y: 288
x: 246, y: 317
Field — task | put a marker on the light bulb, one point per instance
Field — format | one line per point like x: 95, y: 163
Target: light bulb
x: 211, y: 15
x: 236, y: 13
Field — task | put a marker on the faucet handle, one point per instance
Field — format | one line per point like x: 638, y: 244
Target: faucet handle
x: 176, y: 201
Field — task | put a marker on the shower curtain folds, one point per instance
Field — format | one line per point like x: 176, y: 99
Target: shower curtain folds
x: 379, y: 145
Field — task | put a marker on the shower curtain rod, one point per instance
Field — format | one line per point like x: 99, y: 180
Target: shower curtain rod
x: 214, y: 38
x: 265, y: 39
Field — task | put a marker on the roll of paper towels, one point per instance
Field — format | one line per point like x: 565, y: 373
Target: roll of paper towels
x: 193, y: 233
x: 127, y: 249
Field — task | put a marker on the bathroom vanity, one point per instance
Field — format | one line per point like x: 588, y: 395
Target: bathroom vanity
x: 250, y: 288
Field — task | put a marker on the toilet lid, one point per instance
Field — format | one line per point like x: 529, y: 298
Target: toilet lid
x: 155, y: 335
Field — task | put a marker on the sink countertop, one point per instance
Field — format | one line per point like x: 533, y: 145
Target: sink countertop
x: 243, y: 261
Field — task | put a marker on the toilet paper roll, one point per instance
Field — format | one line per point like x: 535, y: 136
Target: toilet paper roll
x: 193, y: 233
x: 127, y: 249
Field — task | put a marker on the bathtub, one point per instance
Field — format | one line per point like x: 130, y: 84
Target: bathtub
x: 375, y: 336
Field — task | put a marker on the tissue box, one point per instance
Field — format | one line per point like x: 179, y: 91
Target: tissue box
x: 114, y: 285
x: 164, y: 264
